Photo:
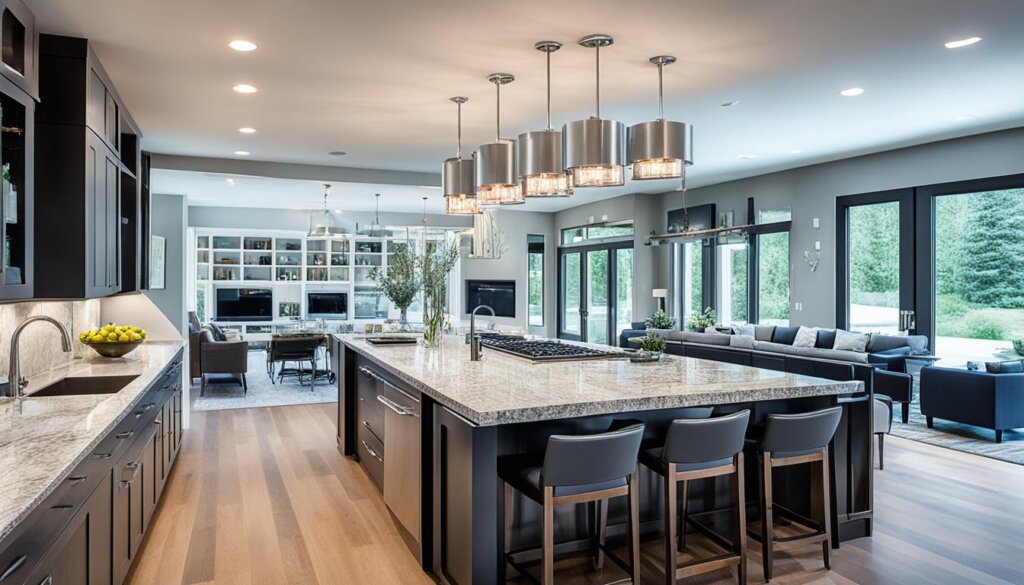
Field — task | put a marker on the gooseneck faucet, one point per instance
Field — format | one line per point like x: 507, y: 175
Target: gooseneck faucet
x: 474, y: 339
x: 15, y: 382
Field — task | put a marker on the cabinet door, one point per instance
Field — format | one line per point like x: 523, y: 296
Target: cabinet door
x: 81, y: 556
x: 16, y: 188
x: 130, y: 503
x: 103, y: 217
x: 112, y: 168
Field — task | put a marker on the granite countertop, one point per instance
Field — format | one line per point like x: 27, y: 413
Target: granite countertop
x: 43, y: 439
x: 503, y: 389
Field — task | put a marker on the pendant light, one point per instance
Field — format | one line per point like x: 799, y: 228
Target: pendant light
x: 496, y: 179
x: 594, y: 149
x: 660, y: 149
x: 375, y: 229
x: 324, y: 224
x: 458, y: 182
x: 540, y: 152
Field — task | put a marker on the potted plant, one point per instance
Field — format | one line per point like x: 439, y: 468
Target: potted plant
x: 660, y: 320
x: 1018, y: 346
x: 433, y: 268
x: 701, y: 321
x: 651, y: 348
x: 399, y: 283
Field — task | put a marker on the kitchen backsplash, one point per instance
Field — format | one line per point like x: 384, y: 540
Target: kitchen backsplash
x: 40, y: 343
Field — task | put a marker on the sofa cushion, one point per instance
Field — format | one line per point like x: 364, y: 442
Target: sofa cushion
x: 882, y: 342
x: 805, y: 337
x: 784, y: 335
x: 745, y: 330
x: 218, y: 333
x: 695, y: 337
x: 850, y: 341
x: 1008, y: 367
x: 741, y: 341
x: 764, y: 332
x: 826, y: 339
x: 822, y: 354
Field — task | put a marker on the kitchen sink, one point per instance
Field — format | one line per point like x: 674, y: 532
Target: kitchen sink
x: 85, y: 385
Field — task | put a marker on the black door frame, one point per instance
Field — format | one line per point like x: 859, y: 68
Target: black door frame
x: 908, y: 244
x: 583, y: 250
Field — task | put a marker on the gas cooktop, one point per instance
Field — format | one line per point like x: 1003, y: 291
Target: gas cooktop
x: 540, y: 350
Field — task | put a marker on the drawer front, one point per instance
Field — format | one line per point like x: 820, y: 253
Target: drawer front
x: 370, y: 451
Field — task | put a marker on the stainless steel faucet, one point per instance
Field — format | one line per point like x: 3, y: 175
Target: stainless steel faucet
x: 15, y: 382
x: 474, y: 339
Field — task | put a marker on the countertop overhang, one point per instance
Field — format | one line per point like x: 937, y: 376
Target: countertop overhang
x: 502, y: 389
x: 43, y: 439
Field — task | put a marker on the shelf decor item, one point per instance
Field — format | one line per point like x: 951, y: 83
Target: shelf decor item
x: 112, y: 340
x: 400, y: 282
x: 434, y: 269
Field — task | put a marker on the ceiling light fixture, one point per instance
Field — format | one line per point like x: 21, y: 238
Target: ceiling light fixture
x: 965, y: 117
x: 496, y: 180
x: 323, y: 223
x: 230, y: 182
x: 962, y: 42
x: 852, y: 91
x: 730, y: 104
x: 245, y: 88
x: 594, y: 149
x: 747, y: 156
x: 337, y: 153
x: 247, y: 130
x: 795, y: 151
x: 242, y: 153
x: 660, y: 149
x: 242, y: 46
x: 375, y: 229
x: 458, y: 178
x: 540, y: 152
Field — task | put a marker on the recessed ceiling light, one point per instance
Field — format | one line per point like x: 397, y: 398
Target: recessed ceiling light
x: 747, y: 156
x: 242, y: 45
x: 245, y: 88
x: 247, y: 130
x: 795, y: 151
x: 964, y: 117
x: 230, y: 182
x: 852, y: 91
x: 242, y: 153
x: 337, y: 153
x: 337, y: 211
x: 730, y: 104
x: 962, y: 42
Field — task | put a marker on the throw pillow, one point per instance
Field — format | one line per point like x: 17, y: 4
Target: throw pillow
x: 741, y: 341
x: 745, y: 330
x: 806, y: 337
x: 850, y: 341
x: 826, y: 339
x: 1011, y: 367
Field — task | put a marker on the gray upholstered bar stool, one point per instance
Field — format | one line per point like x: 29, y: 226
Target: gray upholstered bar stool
x: 698, y: 449
x: 576, y: 470
x: 794, y: 439
x: 882, y: 423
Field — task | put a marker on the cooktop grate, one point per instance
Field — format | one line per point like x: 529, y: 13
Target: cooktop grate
x: 546, y: 351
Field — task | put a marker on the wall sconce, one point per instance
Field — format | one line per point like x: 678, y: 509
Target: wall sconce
x: 812, y: 259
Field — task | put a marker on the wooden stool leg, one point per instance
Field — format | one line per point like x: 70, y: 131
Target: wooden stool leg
x: 767, y: 530
x: 602, y: 528
x: 671, y: 562
x: 826, y: 546
x: 634, y: 527
x: 739, y: 491
x: 682, y: 515
x: 881, y: 451
x: 508, y: 518
x: 548, y: 550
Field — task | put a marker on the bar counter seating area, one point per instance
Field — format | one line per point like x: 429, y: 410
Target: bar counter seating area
x: 586, y: 292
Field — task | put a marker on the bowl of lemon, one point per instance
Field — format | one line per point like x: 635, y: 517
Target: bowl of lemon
x: 113, y: 340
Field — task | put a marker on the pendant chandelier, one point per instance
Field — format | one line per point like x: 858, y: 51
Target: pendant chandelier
x: 540, y: 152
x: 375, y: 229
x: 323, y: 223
x: 660, y: 149
x: 594, y: 149
x: 496, y: 179
x: 458, y: 182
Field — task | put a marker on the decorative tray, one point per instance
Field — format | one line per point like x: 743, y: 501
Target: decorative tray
x: 391, y: 340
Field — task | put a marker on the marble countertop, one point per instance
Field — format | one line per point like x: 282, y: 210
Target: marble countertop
x: 43, y: 439
x: 502, y: 389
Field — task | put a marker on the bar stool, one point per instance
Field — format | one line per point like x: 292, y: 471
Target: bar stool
x: 698, y: 449
x: 575, y: 470
x: 793, y: 439
x: 882, y: 424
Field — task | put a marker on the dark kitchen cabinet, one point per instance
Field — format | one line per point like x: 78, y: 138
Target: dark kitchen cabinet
x: 17, y: 186
x: 89, y: 167
x: 133, y: 501
x: 19, y: 60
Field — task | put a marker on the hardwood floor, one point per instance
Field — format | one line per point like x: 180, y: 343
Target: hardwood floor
x: 262, y: 496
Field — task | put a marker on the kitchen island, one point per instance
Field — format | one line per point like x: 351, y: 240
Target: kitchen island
x: 429, y: 426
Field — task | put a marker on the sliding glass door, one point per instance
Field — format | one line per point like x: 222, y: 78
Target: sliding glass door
x: 595, y: 292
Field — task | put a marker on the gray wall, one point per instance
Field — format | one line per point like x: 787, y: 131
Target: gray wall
x: 169, y: 220
x: 811, y: 193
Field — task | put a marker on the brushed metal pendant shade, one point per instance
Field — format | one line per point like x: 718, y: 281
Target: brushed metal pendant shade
x: 659, y: 149
x: 497, y: 182
x: 541, y: 165
x: 458, y: 180
x: 594, y: 149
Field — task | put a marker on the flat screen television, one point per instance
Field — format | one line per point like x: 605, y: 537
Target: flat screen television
x: 327, y: 305
x: 500, y: 295
x: 245, y: 304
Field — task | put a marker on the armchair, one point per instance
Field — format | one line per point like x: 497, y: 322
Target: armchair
x: 637, y: 329
x: 222, y: 357
x: 898, y: 387
x: 992, y: 401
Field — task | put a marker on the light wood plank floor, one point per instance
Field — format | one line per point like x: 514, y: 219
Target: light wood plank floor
x: 262, y: 496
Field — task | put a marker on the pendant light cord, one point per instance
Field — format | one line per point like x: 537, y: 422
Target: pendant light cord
x: 497, y: 117
x: 549, y: 88
x: 661, y: 93
x: 458, y: 153
x: 598, y: 87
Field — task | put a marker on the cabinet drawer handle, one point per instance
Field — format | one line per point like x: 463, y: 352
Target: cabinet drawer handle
x: 381, y: 379
x: 372, y: 452
x: 77, y: 479
x: 125, y: 434
x: 134, y: 467
x: 47, y: 581
x: 395, y: 407
x: 13, y: 567
x: 62, y: 507
x: 102, y: 456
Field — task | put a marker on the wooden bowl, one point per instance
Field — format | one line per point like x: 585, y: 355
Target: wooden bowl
x: 113, y: 349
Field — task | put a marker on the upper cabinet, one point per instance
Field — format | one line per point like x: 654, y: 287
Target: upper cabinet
x: 18, y: 38
x: 89, y: 168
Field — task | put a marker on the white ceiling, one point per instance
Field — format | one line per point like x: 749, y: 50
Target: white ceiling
x: 372, y: 78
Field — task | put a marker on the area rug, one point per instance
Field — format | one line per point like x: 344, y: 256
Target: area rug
x: 959, y: 437
x: 225, y: 396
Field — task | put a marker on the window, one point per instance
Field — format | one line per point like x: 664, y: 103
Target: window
x: 732, y: 283
x: 774, y: 215
x: 588, y: 234
x: 535, y: 280
x: 691, y: 278
x: 773, y: 278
